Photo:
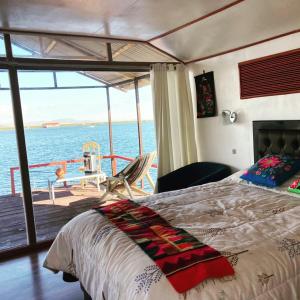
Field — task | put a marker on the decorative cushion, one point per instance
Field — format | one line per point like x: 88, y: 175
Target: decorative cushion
x: 295, y: 187
x: 272, y: 170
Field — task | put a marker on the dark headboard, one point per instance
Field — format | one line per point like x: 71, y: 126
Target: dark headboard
x: 276, y: 137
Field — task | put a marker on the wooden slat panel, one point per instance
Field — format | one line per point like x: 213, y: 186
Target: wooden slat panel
x: 277, y: 74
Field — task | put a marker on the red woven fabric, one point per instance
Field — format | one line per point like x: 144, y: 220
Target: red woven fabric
x: 184, y: 260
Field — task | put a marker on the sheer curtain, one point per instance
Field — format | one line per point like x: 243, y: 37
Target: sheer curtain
x: 174, y: 117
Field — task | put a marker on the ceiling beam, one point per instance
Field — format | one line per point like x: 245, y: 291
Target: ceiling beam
x: 74, y: 65
x: 109, y: 52
x: 42, y: 88
x: 195, y: 20
x: 53, y: 34
x: 116, y: 84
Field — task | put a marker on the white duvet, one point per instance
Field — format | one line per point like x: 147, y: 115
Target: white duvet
x: 259, y: 231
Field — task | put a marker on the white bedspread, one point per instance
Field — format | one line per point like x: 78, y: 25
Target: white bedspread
x: 257, y: 229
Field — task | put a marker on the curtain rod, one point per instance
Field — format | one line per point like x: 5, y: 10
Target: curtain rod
x: 174, y: 64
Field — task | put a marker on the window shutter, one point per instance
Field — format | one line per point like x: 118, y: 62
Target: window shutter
x: 277, y: 74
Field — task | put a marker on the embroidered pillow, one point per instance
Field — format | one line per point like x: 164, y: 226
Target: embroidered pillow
x: 272, y: 170
x: 295, y: 187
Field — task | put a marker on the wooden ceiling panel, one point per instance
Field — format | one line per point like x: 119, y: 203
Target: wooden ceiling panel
x: 142, y: 19
x: 147, y: 18
x: 67, y: 16
x: 240, y: 24
x: 246, y: 23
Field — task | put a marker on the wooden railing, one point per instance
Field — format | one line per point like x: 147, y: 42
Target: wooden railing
x: 64, y: 163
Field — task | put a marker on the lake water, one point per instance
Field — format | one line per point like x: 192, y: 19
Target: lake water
x: 64, y: 143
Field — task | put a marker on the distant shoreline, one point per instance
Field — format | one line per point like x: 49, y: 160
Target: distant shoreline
x: 71, y: 124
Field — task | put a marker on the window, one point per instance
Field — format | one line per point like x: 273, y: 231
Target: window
x: 57, y: 123
x: 12, y: 220
x: 2, y: 47
x: 51, y: 46
x: 277, y: 74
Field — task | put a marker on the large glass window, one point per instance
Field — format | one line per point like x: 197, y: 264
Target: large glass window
x: 28, y: 79
x: 62, y: 111
x: 125, y: 128
x: 78, y: 79
x: 2, y: 47
x: 124, y: 119
x: 12, y: 221
x: 51, y: 46
x: 149, y: 140
x: 58, y: 122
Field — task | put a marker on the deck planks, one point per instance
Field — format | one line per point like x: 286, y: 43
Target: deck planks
x: 49, y: 216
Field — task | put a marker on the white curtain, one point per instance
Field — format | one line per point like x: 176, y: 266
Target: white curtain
x: 174, y: 117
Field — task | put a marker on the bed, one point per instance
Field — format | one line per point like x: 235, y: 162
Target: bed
x: 257, y: 229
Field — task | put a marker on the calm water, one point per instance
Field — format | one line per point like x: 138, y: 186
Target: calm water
x: 65, y: 143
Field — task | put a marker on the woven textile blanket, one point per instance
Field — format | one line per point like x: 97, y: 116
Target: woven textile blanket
x: 184, y: 260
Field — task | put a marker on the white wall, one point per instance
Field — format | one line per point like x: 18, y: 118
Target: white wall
x: 217, y: 140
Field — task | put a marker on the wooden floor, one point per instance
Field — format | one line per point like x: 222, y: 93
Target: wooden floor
x: 24, y: 278
x: 49, y: 216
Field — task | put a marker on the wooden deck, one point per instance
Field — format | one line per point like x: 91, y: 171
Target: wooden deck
x: 49, y: 217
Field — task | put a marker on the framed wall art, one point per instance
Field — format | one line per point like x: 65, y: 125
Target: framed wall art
x: 206, y: 96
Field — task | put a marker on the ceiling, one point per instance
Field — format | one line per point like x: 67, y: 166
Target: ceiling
x: 206, y: 28
x: 140, y: 19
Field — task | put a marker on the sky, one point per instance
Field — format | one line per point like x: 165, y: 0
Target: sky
x: 68, y: 105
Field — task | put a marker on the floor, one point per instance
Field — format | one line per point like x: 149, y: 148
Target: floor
x: 24, y: 278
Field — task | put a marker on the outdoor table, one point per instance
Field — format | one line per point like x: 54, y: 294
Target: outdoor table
x: 100, y: 177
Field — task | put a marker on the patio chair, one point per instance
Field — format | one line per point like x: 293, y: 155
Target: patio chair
x: 128, y: 178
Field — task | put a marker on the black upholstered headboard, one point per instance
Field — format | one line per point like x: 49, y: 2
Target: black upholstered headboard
x: 276, y: 137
